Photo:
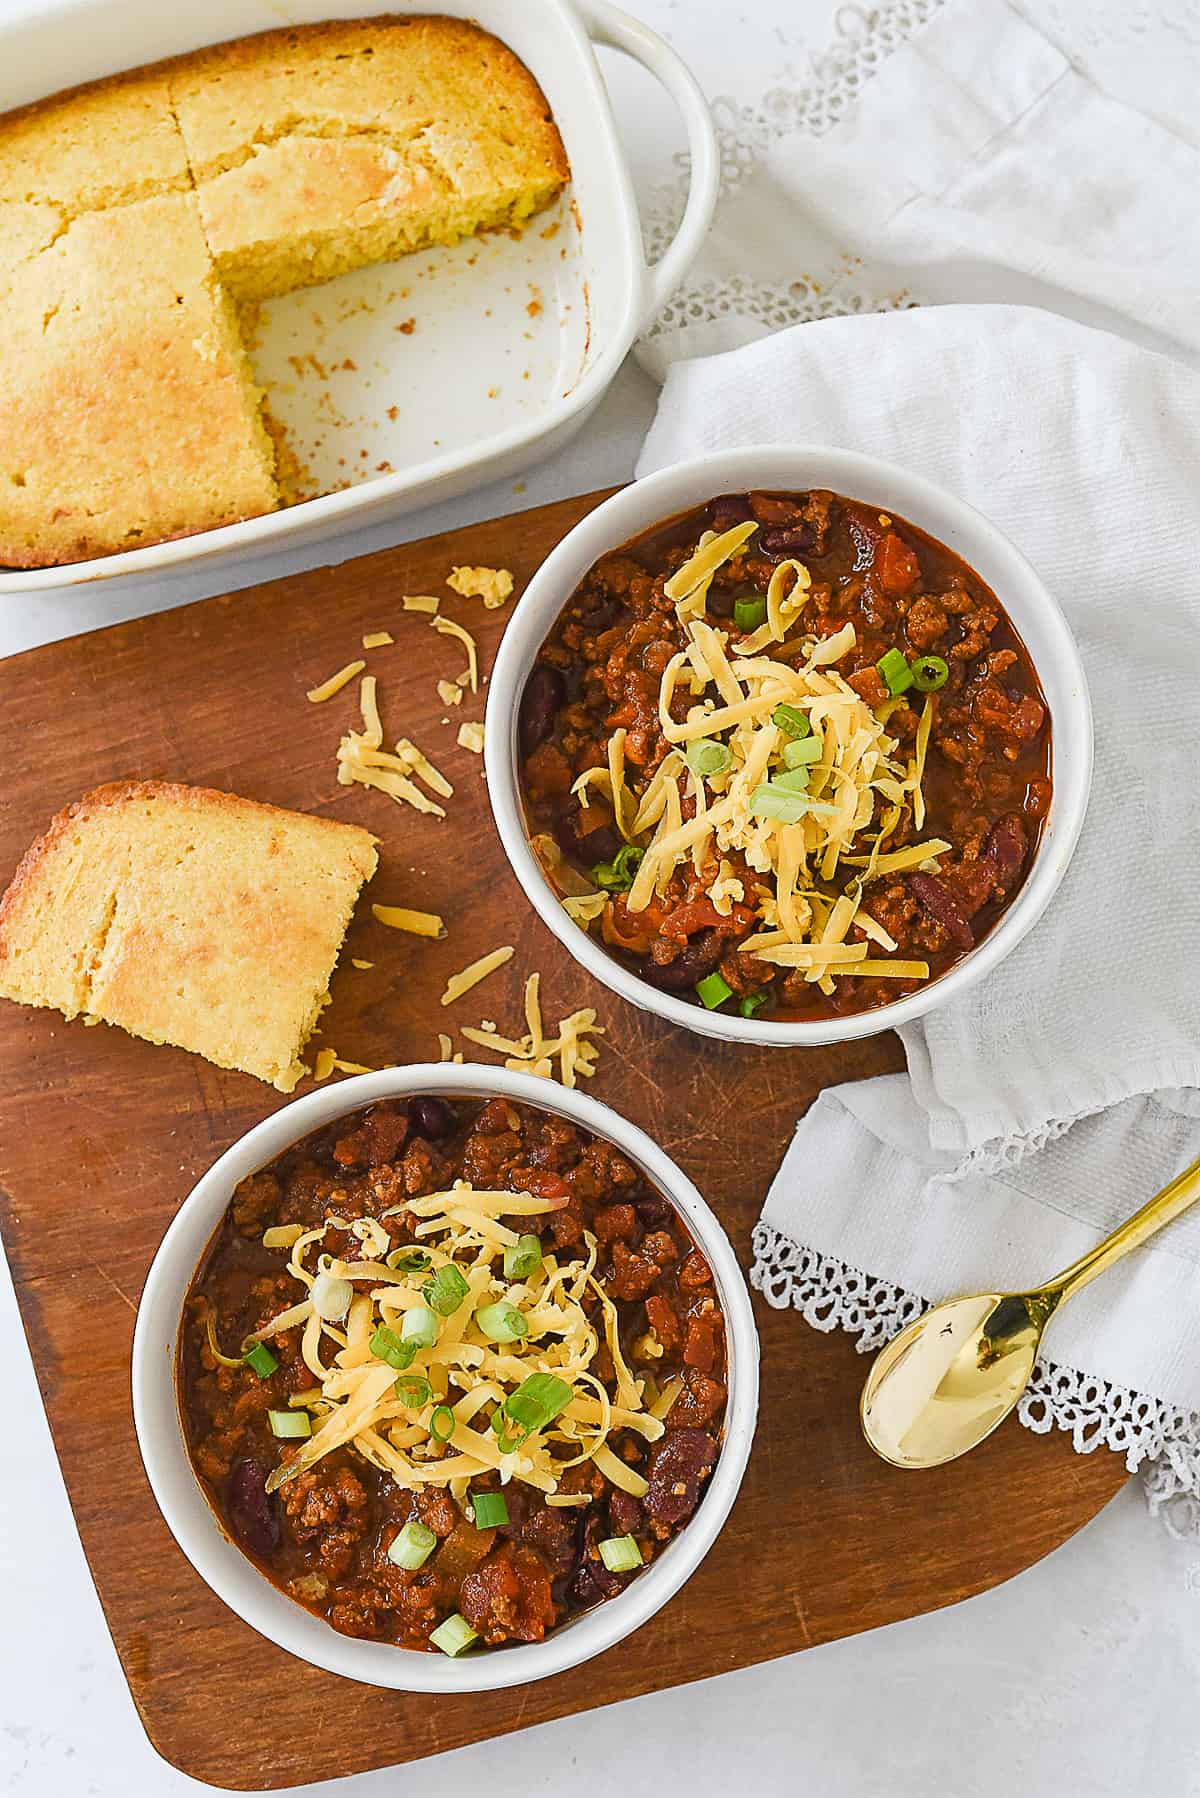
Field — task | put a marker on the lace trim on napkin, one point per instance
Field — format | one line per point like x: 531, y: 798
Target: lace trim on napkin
x: 1161, y: 1439
x: 866, y: 38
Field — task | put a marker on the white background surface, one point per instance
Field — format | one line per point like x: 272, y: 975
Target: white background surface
x: 1079, y: 1677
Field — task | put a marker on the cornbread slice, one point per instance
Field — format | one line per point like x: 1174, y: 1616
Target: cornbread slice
x: 128, y: 413
x: 186, y: 916
x: 316, y: 150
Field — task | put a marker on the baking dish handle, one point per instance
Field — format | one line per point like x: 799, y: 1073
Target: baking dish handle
x: 610, y: 26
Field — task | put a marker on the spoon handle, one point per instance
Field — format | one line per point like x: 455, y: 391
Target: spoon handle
x: 1154, y: 1215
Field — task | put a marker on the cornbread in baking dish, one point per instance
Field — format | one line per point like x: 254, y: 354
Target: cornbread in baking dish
x: 186, y: 916
x: 137, y: 212
x: 316, y: 151
x: 128, y: 412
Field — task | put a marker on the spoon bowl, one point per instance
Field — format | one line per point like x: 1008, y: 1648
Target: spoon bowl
x: 948, y: 1379
x: 951, y: 1377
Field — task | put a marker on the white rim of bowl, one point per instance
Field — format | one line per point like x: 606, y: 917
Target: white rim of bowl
x: 636, y: 509
x: 233, y: 1576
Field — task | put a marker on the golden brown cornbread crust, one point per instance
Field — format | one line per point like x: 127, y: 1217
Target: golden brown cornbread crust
x: 289, y: 157
x: 187, y: 916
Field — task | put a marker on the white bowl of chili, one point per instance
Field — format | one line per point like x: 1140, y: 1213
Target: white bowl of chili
x: 1030, y: 625
x: 189, y: 1512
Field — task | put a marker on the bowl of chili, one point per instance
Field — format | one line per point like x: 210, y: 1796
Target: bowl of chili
x: 788, y: 745
x: 319, y: 1440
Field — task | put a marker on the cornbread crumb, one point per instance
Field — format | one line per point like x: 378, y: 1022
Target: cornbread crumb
x: 186, y: 916
x: 470, y: 736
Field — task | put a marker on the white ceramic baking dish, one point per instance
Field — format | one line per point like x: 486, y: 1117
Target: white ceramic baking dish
x: 514, y: 341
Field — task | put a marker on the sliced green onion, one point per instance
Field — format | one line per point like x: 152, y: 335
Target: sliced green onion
x: 620, y: 1554
x: 713, y: 991
x: 290, y: 1423
x: 895, y: 672
x: 412, y: 1547
x: 490, y: 1508
x: 751, y: 1003
x: 791, y: 720
x: 750, y: 612
x: 617, y: 875
x: 707, y: 756
x: 261, y: 1361
x: 929, y: 673
x: 446, y: 1291
x: 523, y: 1257
x: 770, y: 801
x: 330, y: 1297
x: 385, y: 1345
x: 454, y: 1635
x: 409, y: 1261
x: 441, y: 1423
x: 420, y: 1327
x: 501, y: 1322
x: 775, y: 801
x: 794, y: 781
x: 414, y: 1390
x: 536, y: 1402
x: 802, y: 755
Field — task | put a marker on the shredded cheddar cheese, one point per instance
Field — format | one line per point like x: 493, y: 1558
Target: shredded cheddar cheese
x: 470, y: 976
x: 336, y: 682
x: 449, y: 628
x: 799, y: 823
x: 449, y: 692
x: 387, y: 1415
x: 492, y: 585
x: 361, y: 758
x: 402, y: 917
x: 534, y: 1051
x: 377, y: 639
x: 420, y: 602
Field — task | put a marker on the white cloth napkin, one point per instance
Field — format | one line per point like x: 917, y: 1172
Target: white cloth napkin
x: 953, y: 152
x: 1046, y: 1105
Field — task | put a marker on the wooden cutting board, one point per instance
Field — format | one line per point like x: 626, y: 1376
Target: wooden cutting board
x: 101, y: 1138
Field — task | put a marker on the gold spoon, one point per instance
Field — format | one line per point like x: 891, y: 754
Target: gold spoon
x: 947, y: 1380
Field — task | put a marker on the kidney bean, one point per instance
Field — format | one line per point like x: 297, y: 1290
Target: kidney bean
x: 678, y: 1465
x: 250, y: 1509
x: 597, y: 846
x: 724, y: 513
x: 1004, y: 846
x: 653, y: 1210
x: 545, y: 691
x: 430, y: 1118
x: 787, y: 540
x: 941, y: 904
x: 591, y: 1580
x: 624, y: 1512
x: 699, y: 958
